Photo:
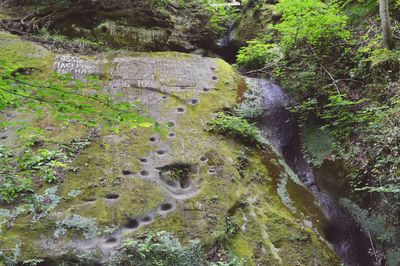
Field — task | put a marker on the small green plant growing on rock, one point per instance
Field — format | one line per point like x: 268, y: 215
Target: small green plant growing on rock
x: 159, y: 249
x: 237, y: 127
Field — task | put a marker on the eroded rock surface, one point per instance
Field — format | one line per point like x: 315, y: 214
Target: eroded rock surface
x: 179, y: 178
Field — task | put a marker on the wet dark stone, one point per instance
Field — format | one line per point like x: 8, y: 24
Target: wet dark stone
x: 132, y: 223
x: 112, y: 195
x: 166, y: 206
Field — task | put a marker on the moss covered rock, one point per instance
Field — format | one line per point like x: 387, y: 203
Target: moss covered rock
x: 180, y: 178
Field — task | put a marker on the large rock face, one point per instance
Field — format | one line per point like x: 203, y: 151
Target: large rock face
x: 180, y: 178
x: 134, y: 25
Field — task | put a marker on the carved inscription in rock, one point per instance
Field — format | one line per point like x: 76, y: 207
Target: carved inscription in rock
x: 78, y: 67
x: 165, y: 74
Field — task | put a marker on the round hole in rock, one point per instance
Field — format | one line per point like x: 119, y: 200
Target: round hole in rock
x: 212, y: 68
x: 132, y: 223
x: 212, y: 171
x: 3, y: 137
x: 164, y: 97
x: 193, y: 101
x: 214, y: 78
x: 166, y: 206
x: 171, y: 124
x: 111, y: 239
x: 144, y: 173
x: 171, y: 135
x: 203, y: 159
x: 89, y: 199
x: 143, y: 160
x: 206, y: 89
x: 112, y: 195
x: 127, y: 172
x: 180, y: 109
x: 161, y: 152
x: 147, y: 219
x: 153, y: 139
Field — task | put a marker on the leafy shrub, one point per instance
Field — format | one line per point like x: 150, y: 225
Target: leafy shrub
x: 311, y: 21
x: 257, y: 53
x: 237, y: 127
x: 159, y: 249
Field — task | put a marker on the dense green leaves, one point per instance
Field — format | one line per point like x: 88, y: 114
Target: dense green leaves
x: 311, y: 21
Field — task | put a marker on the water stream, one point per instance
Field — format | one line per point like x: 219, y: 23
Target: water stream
x: 279, y: 125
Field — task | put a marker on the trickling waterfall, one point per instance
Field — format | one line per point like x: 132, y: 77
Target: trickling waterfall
x: 279, y: 125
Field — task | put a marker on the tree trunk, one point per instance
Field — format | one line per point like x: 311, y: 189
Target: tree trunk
x: 385, y: 22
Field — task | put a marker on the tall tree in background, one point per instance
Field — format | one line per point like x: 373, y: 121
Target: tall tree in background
x: 385, y: 22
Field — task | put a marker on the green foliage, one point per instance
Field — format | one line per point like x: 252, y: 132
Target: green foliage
x: 343, y: 112
x: 312, y: 21
x: 19, y: 169
x: 318, y: 144
x: 222, y: 17
x: 160, y: 249
x: 374, y: 224
x: 231, y: 227
x: 257, y: 53
x: 237, y: 127
x: 66, y: 98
